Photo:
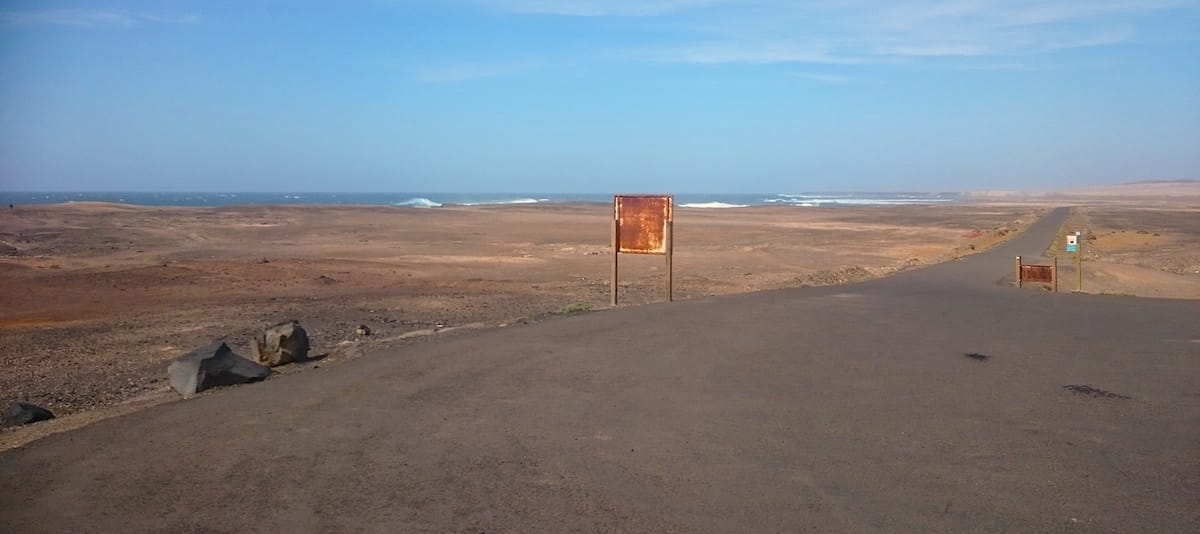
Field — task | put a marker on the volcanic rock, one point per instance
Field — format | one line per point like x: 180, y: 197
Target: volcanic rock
x: 23, y: 413
x: 212, y: 365
x: 281, y: 344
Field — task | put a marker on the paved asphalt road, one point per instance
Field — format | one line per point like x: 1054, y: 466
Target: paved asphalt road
x: 837, y: 409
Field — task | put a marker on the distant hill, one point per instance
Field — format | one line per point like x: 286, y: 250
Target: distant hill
x: 1148, y: 188
x: 1141, y: 189
x: 1162, y: 182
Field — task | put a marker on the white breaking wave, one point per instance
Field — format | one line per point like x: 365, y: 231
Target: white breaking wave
x: 418, y: 203
x: 712, y: 205
x: 501, y: 202
x: 883, y: 201
x: 817, y: 200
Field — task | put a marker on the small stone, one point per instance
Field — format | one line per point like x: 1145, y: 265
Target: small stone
x: 362, y: 330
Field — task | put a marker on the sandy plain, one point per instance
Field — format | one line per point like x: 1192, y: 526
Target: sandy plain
x: 96, y: 299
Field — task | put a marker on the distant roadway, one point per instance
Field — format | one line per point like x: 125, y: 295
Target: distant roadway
x: 849, y: 408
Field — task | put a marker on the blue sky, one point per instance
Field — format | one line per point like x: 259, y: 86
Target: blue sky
x: 685, y: 96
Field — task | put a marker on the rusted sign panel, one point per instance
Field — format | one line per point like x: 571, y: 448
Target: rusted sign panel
x: 642, y: 223
x: 1037, y: 273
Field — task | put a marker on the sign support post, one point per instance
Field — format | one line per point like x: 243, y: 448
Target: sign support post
x: 1054, y: 273
x: 1079, y: 264
x: 669, y: 243
x: 1018, y: 271
x: 616, y: 246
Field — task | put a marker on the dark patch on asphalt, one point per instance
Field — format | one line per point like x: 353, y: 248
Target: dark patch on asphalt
x: 976, y: 356
x: 1094, y: 392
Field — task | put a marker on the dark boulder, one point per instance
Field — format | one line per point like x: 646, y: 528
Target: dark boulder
x: 212, y: 365
x: 23, y: 413
x: 281, y: 344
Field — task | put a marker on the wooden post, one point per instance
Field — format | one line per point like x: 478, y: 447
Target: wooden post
x: 1079, y: 264
x: 1054, y: 273
x: 616, y: 247
x: 669, y: 245
x: 1018, y: 271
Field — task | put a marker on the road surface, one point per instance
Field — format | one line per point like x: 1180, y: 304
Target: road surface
x: 837, y: 409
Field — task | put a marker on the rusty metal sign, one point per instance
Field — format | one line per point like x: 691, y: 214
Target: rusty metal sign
x: 1046, y: 274
x: 1037, y: 273
x: 642, y: 223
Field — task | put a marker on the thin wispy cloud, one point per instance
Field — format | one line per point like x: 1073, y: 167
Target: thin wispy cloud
x: 1011, y: 13
x: 935, y: 49
x: 91, y: 18
x: 1031, y: 13
x: 169, y: 19
x: 990, y: 28
x: 740, y: 52
x: 856, y: 32
x: 934, y: 44
x: 999, y: 66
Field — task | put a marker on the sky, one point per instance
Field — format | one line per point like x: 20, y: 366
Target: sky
x: 683, y: 96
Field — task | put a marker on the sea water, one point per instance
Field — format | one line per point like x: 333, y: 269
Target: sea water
x: 438, y: 200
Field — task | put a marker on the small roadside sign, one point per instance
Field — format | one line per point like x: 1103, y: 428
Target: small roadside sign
x: 1072, y: 243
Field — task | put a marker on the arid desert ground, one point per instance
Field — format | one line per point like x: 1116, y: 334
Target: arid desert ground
x: 97, y: 299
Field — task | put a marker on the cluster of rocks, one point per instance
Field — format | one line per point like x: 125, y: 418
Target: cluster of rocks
x: 211, y: 365
x: 216, y: 364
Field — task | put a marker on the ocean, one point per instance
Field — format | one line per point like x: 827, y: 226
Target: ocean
x: 437, y: 200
